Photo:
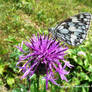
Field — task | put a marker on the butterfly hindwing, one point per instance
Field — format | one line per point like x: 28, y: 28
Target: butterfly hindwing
x: 73, y: 30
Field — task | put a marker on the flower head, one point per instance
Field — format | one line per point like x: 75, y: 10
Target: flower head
x: 43, y: 57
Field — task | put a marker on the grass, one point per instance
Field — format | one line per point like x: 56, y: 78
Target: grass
x: 19, y: 19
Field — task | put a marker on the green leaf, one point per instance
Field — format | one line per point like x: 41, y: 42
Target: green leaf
x: 16, y: 90
x: 86, y: 62
x: 83, y: 76
x: 90, y: 68
x: 10, y: 81
x: 1, y: 69
x: 83, y: 89
x: 75, y: 81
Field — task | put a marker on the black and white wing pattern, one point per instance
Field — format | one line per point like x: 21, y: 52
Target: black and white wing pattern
x: 73, y: 30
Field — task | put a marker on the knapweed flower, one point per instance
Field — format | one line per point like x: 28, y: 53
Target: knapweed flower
x: 45, y: 56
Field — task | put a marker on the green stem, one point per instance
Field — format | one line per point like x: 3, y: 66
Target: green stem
x: 29, y: 83
x: 37, y: 77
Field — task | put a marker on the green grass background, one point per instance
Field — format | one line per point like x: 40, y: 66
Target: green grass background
x: 19, y: 19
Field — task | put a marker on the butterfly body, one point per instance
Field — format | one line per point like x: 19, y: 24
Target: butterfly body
x: 73, y: 30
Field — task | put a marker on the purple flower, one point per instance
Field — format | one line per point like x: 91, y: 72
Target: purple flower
x: 43, y: 58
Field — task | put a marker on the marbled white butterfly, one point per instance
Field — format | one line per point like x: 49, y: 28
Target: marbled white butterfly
x: 73, y: 30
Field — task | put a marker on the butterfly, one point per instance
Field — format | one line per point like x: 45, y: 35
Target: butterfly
x: 73, y: 30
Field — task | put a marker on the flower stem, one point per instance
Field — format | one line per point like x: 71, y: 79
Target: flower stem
x: 29, y: 83
x: 37, y: 77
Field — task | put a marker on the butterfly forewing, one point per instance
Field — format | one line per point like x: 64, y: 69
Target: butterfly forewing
x: 73, y: 30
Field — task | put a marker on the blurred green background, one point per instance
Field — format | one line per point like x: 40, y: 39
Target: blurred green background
x: 19, y: 19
